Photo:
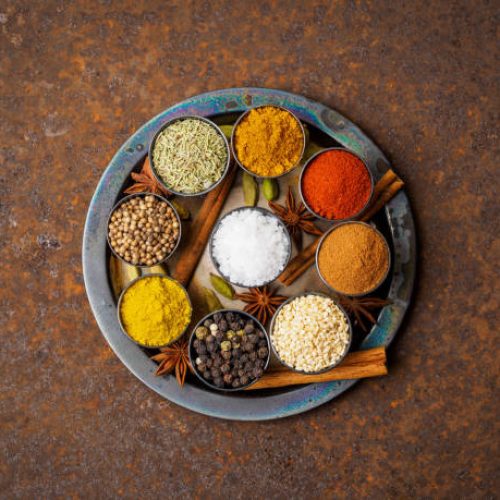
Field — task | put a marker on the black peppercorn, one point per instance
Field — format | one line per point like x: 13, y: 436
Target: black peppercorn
x: 262, y: 352
x: 232, y: 353
x: 201, y: 349
x: 248, y: 347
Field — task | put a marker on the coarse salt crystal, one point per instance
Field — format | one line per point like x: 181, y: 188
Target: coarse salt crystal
x: 250, y: 247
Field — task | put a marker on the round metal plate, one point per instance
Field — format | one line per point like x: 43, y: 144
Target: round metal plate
x: 95, y: 268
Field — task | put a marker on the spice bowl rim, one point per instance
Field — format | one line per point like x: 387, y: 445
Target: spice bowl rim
x: 288, y: 301
x: 192, y: 358
x: 233, y: 146
x: 171, y: 122
x: 308, y: 163
x: 137, y: 195
x: 129, y: 285
x: 266, y: 212
x: 386, y: 244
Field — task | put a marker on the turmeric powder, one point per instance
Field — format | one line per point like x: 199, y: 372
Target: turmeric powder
x: 155, y: 311
x: 269, y: 141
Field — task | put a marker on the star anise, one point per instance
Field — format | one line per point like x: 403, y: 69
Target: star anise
x: 361, y: 308
x: 262, y: 302
x: 296, y: 218
x: 174, y: 357
x: 145, y: 181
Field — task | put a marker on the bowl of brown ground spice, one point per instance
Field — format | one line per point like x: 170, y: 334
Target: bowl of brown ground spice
x: 353, y: 258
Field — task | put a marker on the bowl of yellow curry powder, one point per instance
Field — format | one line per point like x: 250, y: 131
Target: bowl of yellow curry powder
x: 268, y: 141
x: 154, y: 310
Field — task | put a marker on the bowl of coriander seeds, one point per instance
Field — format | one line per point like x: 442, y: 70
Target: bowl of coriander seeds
x: 189, y: 155
x: 144, y: 229
x: 310, y: 333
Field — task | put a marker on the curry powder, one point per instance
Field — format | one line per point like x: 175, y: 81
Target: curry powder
x: 269, y: 141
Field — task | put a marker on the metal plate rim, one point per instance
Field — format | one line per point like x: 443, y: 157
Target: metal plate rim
x: 102, y: 302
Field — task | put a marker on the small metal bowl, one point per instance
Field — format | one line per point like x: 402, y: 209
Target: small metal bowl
x: 233, y: 145
x: 124, y: 291
x: 306, y: 166
x: 266, y: 212
x: 142, y: 195
x: 273, y: 321
x: 193, y: 355
x: 322, y: 240
x: 189, y: 117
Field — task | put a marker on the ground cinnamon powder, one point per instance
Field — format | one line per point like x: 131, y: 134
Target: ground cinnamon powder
x: 354, y: 258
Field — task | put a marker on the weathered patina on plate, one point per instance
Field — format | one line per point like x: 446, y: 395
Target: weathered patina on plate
x: 278, y: 403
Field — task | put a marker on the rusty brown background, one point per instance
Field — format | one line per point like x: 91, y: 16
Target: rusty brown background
x: 78, y: 77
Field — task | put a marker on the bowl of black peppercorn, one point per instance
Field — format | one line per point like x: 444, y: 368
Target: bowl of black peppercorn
x: 229, y: 350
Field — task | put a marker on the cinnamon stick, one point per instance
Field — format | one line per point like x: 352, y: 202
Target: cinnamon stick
x: 359, y: 364
x: 296, y: 267
x: 384, y: 197
x: 388, y: 178
x: 201, y: 228
x: 385, y: 189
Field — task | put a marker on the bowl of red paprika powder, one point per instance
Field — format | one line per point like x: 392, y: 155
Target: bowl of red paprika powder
x: 336, y: 185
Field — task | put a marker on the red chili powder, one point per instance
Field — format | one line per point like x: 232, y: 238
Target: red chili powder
x: 336, y: 185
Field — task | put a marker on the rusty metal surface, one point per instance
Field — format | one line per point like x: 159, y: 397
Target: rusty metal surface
x: 78, y: 79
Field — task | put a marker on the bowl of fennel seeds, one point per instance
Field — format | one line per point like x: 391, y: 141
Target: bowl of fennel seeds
x: 189, y: 155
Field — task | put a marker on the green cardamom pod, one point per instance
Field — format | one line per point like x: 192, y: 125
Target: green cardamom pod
x: 250, y: 190
x: 270, y: 189
x: 212, y: 302
x: 222, y: 286
x: 227, y: 130
x: 183, y: 212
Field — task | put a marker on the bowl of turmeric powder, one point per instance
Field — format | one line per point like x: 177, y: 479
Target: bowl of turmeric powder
x: 268, y: 141
x: 154, y: 310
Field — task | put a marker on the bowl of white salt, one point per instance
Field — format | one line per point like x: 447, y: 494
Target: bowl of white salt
x: 250, y: 247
